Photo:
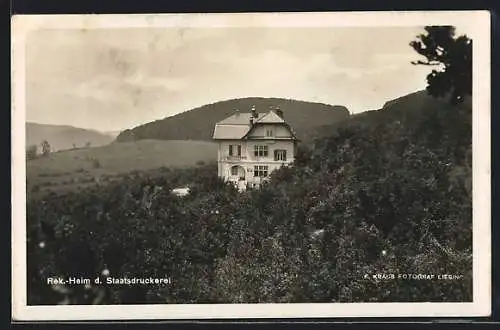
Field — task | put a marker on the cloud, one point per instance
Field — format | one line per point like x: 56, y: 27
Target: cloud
x: 117, y: 78
x: 172, y: 84
x: 327, y: 65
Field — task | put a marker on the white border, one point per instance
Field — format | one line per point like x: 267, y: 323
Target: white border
x: 478, y: 22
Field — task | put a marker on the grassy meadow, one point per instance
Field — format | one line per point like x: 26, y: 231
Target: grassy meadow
x: 82, y: 167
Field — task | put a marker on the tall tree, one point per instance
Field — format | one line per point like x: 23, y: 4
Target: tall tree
x: 452, y: 57
x: 45, y: 148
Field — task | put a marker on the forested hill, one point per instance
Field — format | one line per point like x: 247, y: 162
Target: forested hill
x: 198, y: 123
x: 406, y: 110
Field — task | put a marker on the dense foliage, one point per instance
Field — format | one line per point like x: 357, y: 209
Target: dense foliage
x: 198, y: 123
x: 387, y: 193
x: 452, y: 58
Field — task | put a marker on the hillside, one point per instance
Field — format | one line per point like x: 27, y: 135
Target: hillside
x: 198, y: 123
x: 387, y: 194
x: 75, y: 168
x: 64, y: 137
x: 405, y: 110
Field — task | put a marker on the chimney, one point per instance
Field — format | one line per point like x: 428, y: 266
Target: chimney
x: 254, y: 112
x: 279, y: 112
x: 237, y: 112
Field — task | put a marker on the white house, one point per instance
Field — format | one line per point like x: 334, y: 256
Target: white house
x: 181, y: 192
x: 252, y: 145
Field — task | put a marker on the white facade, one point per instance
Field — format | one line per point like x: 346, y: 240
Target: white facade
x: 251, y: 159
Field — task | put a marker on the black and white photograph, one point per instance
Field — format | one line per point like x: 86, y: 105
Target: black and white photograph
x: 252, y: 165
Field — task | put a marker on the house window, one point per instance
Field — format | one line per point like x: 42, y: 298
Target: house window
x: 269, y: 132
x: 260, y: 170
x: 232, y: 149
x: 280, y: 155
x: 234, y: 170
x: 261, y: 151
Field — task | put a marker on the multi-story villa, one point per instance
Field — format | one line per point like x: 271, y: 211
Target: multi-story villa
x: 252, y: 145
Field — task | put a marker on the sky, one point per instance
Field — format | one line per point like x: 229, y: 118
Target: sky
x: 114, y: 79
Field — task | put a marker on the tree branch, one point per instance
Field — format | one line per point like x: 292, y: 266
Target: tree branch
x: 425, y: 63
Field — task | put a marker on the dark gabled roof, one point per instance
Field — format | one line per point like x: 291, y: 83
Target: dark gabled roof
x: 270, y: 118
x: 230, y: 131
x: 240, y: 119
x: 237, y: 126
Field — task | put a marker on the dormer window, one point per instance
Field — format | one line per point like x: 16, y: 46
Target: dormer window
x: 269, y: 132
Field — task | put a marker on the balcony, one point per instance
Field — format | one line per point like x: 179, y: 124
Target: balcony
x: 236, y: 157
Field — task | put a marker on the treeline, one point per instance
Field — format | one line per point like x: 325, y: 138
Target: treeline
x: 32, y: 150
x: 389, y: 196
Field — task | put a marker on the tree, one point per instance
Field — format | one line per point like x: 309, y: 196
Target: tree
x: 452, y: 57
x: 31, y: 151
x: 45, y: 148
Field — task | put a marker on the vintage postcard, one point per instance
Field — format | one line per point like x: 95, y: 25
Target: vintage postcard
x: 252, y: 165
